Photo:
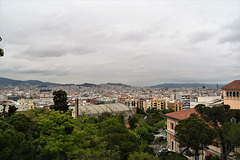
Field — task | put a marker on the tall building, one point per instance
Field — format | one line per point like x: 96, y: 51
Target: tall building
x: 184, y: 98
x: 231, y: 94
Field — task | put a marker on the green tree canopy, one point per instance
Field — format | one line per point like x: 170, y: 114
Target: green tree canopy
x: 55, y: 139
x: 220, y: 118
x: 11, y: 110
x: 145, y: 132
x: 21, y: 123
x: 193, y: 133
x: 133, y: 120
x: 60, y: 101
x: 154, y: 118
x: 142, y: 156
x: 13, y: 144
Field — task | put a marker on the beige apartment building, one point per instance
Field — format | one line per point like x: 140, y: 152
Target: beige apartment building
x: 231, y: 94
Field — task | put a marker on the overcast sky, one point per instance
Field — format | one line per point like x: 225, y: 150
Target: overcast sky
x: 135, y: 42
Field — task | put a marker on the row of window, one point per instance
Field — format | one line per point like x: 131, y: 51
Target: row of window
x: 232, y: 94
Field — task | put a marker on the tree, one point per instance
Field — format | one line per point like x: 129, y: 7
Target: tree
x: 13, y: 145
x: 161, y: 124
x: 21, y: 123
x: 118, y: 137
x: 141, y: 156
x: 60, y: 101
x: 104, y: 116
x: 140, y: 110
x: 171, y: 156
x: 3, y: 113
x: 55, y: 139
x: 193, y: 133
x: 133, y: 120
x: 1, y: 50
x: 11, y: 110
x: 145, y: 132
x: 154, y: 118
x: 89, y: 141
x: 219, y: 117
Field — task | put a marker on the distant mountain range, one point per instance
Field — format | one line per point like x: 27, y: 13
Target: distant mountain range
x: 186, y: 85
x: 40, y: 84
x: 7, y: 81
x: 87, y: 85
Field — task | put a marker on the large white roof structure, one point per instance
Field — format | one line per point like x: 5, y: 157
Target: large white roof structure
x: 96, y: 110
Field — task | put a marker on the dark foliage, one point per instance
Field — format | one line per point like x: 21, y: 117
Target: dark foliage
x: 60, y: 101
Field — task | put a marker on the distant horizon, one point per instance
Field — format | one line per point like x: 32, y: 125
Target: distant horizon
x: 116, y: 82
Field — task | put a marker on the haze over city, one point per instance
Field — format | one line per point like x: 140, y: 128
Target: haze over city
x: 133, y: 42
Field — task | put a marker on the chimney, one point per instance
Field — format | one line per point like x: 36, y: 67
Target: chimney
x: 76, y: 108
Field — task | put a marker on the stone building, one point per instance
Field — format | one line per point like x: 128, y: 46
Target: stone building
x: 231, y: 94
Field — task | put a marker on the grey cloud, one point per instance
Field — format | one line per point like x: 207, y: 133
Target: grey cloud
x: 201, y: 36
x: 233, y: 33
x: 51, y: 72
x: 234, y: 26
x: 121, y: 42
x: 233, y: 37
x: 55, y: 50
x: 135, y: 36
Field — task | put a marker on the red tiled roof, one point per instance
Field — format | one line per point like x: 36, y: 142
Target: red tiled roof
x: 181, y: 114
x: 233, y: 85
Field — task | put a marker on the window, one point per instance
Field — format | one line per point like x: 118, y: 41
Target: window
x: 230, y: 94
x: 172, y: 145
x: 227, y: 94
x: 234, y: 94
x: 237, y: 94
x: 172, y: 126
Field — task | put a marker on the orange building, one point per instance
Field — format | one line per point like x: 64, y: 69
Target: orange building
x: 173, y: 145
x: 172, y: 121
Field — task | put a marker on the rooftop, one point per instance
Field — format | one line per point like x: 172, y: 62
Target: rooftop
x: 181, y: 114
x: 99, y: 109
x: 233, y: 85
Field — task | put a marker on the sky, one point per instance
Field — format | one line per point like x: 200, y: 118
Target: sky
x: 135, y: 42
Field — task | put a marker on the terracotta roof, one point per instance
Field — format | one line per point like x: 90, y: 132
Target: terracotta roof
x: 181, y: 114
x: 233, y: 85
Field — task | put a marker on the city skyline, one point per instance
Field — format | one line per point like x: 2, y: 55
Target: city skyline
x: 140, y: 43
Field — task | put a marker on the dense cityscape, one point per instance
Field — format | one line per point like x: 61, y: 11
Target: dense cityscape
x: 140, y: 110
x: 119, y: 80
x: 42, y: 96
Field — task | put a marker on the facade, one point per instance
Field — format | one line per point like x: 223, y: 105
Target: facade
x: 138, y: 102
x: 207, y: 101
x: 184, y: 98
x: 176, y: 106
x: 31, y: 104
x: 173, y: 145
x: 153, y: 103
x: 231, y: 95
x: 172, y: 121
x: 158, y: 103
x: 25, y: 104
